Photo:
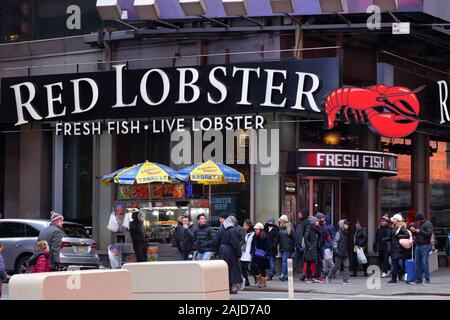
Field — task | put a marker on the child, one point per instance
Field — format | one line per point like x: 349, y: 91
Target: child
x: 2, y: 269
x: 40, y: 261
x: 341, y: 252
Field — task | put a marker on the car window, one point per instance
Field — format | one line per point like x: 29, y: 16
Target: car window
x: 12, y: 230
x: 75, y: 231
x: 31, y: 231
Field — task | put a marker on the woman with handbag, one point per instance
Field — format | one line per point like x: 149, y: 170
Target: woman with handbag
x: 398, y: 252
x: 260, y: 252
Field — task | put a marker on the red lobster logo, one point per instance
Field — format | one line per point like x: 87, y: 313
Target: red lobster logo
x: 388, y: 111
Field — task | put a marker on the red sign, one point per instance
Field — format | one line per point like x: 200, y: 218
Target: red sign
x: 347, y: 160
x: 389, y: 111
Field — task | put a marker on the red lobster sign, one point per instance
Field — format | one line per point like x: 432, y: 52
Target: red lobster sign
x: 388, y: 111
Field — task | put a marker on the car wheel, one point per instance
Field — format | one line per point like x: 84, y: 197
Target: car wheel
x: 22, y: 265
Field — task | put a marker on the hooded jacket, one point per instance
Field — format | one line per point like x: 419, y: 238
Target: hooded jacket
x: 360, y: 238
x: 204, y: 238
x: 340, y: 244
x: 287, y: 237
x: 274, y: 237
x: 137, y: 231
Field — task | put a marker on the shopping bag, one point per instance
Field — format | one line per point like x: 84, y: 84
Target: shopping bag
x: 113, y: 226
x: 114, y: 256
x: 361, y: 256
x: 433, y: 260
x: 328, y: 254
x: 126, y: 220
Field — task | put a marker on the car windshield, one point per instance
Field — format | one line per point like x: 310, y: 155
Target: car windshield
x: 75, y: 231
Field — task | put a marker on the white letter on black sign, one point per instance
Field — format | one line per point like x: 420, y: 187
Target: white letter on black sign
x: 77, y: 96
x: 183, y: 85
x: 245, y: 80
x: 119, y: 101
x: 166, y: 87
x: 309, y: 94
x: 443, y: 95
x: 27, y: 105
x: 218, y: 85
x: 270, y: 87
x: 51, y: 100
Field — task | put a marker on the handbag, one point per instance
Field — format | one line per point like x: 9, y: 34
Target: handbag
x: 260, y: 253
x: 406, y: 243
x: 361, y: 256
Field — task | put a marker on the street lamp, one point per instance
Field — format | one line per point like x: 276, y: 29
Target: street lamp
x: 109, y: 9
x: 333, y: 6
x: 235, y: 7
x: 193, y: 7
x: 147, y: 9
x: 282, y: 6
x: 386, y: 5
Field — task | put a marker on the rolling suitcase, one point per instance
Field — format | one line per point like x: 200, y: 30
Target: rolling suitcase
x: 410, y: 266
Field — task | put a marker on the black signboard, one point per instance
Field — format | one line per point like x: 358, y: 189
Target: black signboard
x: 347, y: 160
x: 290, y: 86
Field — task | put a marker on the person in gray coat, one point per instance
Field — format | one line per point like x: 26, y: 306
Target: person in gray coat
x: 53, y: 234
x: 341, y: 254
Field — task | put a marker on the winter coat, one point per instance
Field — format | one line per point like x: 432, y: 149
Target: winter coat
x: 397, y: 233
x: 424, y: 236
x: 219, y: 237
x: 380, y: 244
x: 39, y: 262
x: 287, y: 238
x: 340, y: 243
x: 313, y: 237
x: 246, y: 248
x: 53, y: 235
x: 137, y: 230
x: 205, y: 239
x: 274, y: 238
x: 360, y: 238
x: 187, y: 238
x: 2, y: 269
x: 327, y: 236
x: 230, y: 252
x: 176, y: 234
x: 300, y: 228
x: 260, y: 242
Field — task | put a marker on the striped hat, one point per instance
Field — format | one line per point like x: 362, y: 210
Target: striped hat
x: 55, y: 217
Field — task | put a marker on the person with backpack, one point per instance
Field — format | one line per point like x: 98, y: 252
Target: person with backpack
x: 423, y: 233
x: 40, y: 260
x: 326, y: 261
x: 287, y: 241
x: 341, y: 253
x: 382, y: 246
x: 273, y: 232
x: 398, y: 252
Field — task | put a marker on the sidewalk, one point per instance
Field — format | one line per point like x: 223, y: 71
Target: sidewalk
x: 440, y: 286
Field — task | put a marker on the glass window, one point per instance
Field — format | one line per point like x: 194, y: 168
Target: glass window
x: 31, y: 231
x: 440, y: 193
x: 75, y: 231
x: 396, y: 191
x: 12, y: 230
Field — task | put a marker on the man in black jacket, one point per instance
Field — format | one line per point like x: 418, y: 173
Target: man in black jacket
x: 272, y: 230
x: 423, y: 248
x: 204, y: 239
x: 137, y: 233
x: 53, y: 235
x: 382, y: 246
x: 360, y: 240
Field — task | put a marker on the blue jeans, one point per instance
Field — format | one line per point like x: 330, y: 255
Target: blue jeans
x: 422, y: 266
x: 285, y: 255
x: 205, y: 255
x: 272, y: 269
x: 397, y: 266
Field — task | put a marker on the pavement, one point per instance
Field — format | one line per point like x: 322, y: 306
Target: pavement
x: 364, y: 286
x: 439, y: 289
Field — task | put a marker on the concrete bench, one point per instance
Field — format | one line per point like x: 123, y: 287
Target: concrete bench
x: 72, y: 285
x: 179, y: 280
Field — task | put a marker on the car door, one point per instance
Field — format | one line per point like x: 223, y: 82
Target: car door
x: 12, y: 235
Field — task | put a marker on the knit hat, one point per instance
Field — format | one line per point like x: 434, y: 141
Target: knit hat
x: 397, y: 217
x: 419, y: 217
x: 284, y: 218
x: 312, y: 219
x: 270, y: 219
x: 259, y: 225
x: 55, y: 217
x: 320, y: 215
